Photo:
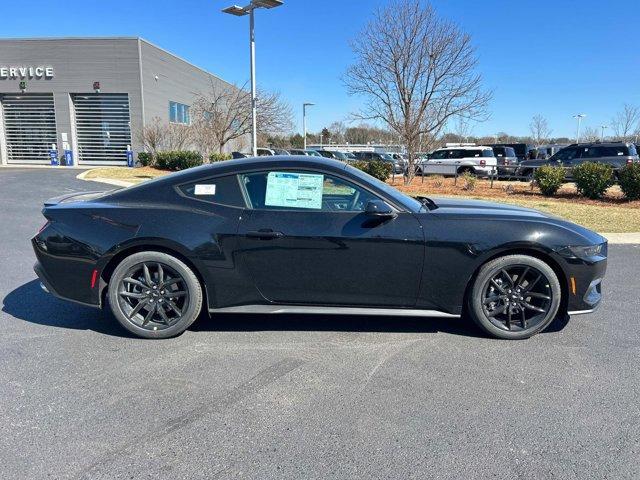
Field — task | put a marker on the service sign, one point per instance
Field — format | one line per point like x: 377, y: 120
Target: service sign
x: 25, y: 72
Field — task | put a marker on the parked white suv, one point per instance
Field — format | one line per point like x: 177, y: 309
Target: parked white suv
x: 478, y: 160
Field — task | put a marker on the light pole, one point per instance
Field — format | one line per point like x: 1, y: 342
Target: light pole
x: 241, y: 12
x: 579, y: 116
x: 602, y: 127
x: 304, y: 123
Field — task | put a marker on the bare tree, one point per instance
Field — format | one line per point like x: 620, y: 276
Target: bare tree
x: 590, y: 134
x: 162, y: 136
x: 337, y: 130
x: 152, y: 136
x: 540, y: 131
x: 626, y: 122
x: 416, y: 71
x: 363, y: 134
x: 223, y: 114
x: 462, y: 129
x: 178, y: 137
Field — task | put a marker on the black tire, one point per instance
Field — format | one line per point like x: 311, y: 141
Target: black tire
x: 526, y: 176
x: 514, y: 315
x: 168, y: 288
x: 463, y: 170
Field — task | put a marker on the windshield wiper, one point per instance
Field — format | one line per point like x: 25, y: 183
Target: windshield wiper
x: 427, y: 202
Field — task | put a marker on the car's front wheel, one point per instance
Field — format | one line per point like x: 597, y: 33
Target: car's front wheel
x: 154, y: 295
x: 515, y: 296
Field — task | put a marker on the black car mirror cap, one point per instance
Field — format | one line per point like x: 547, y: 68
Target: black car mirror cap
x: 379, y: 208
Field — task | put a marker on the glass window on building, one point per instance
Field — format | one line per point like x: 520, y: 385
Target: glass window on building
x: 179, y: 113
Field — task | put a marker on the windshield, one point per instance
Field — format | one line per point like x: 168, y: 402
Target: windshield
x: 405, y: 200
x: 386, y: 156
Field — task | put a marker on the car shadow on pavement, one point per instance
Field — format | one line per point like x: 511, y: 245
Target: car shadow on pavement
x: 238, y: 322
x: 29, y: 303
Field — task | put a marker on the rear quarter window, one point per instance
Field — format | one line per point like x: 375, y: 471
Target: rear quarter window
x: 220, y: 190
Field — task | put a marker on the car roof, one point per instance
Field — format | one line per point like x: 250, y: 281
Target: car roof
x: 466, y: 147
x: 600, y: 144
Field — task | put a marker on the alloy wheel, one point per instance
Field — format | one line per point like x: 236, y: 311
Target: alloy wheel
x: 517, y: 298
x: 153, y: 295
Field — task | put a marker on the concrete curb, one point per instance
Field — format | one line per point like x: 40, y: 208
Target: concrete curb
x: 622, y: 238
x: 109, y: 181
x: 614, y: 238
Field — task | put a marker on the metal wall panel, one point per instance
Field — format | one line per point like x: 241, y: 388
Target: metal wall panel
x: 29, y: 127
x: 103, y: 127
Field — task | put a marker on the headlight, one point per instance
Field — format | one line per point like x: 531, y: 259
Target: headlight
x: 584, y: 252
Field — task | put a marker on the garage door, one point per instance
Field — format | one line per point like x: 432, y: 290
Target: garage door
x: 103, y: 128
x: 29, y: 127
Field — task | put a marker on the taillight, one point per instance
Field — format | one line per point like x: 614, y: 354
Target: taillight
x: 44, y: 226
x: 483, y: 163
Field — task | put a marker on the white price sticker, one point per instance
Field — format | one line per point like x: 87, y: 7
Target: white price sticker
x: 204, y: 189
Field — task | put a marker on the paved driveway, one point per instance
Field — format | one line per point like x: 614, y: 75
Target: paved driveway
x: 305, y: 397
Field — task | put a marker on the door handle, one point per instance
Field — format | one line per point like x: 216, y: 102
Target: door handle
x: 265, y: 234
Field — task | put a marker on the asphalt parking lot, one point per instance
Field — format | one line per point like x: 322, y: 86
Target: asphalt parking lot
x: 306, y: 397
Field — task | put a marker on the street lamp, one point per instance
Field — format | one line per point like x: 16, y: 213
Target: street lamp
x: 240, y: 12
x: 602, y: 127
x: 579, y: 116
x: 304, y: 123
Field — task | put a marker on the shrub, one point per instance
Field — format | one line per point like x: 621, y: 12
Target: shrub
x: 468, y: 181
x: 218, y: 157
x: 629, y: 179
x: 438, y: 181
x: 377, y: 169
x: 145, y: 159
x: 549, y: 179
x: 593, y: 179
x: 178, y: 160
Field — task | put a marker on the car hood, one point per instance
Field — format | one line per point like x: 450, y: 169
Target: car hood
x: 464, y: 208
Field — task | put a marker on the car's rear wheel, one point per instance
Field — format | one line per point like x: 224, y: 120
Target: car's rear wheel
x: 527, y: 176
x: 515, y: 296
x: 154, y: 295
x: 469, y: 170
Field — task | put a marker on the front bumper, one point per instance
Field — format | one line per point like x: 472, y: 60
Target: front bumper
x: 585, y: 284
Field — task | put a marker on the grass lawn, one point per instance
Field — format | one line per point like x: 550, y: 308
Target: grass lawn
x: 126, y: 174
x: 612, y: 214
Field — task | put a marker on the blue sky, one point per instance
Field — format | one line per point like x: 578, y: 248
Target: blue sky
x: 556, y: 58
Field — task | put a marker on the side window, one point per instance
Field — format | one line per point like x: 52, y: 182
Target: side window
x: 291, y: 190
x: 220, y: 190
x: 593, y: 152
x: 567, y: 154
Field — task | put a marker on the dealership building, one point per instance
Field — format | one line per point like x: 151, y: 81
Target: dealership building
x: 84, y: 101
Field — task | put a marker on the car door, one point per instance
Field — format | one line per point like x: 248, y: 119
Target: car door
x: 567, y: 158
x: 441, y: 162
x: 306, y: 239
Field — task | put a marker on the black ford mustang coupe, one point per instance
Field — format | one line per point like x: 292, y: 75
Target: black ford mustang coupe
x: 307, y: 234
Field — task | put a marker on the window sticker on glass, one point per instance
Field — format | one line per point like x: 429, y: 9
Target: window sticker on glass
x: 204, y: 189
x: 295, y: 190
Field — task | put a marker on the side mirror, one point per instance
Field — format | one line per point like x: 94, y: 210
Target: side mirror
x: 379, y: 208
